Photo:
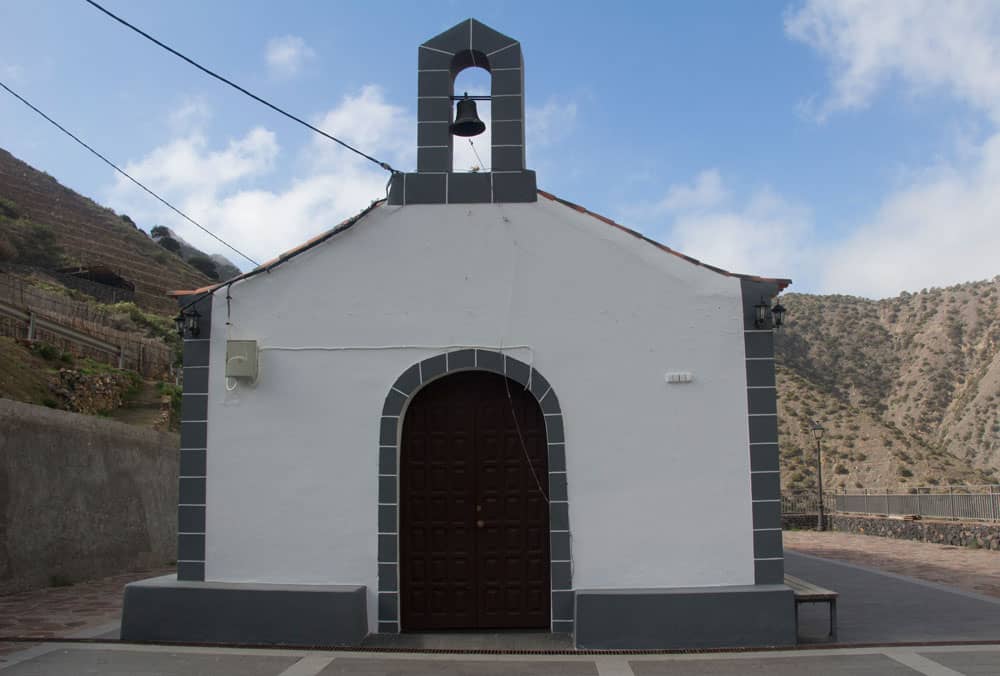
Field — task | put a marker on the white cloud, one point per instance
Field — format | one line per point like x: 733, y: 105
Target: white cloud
x: 367, y: 122
x: 190, y: 117
x: 221, y: 187
x: 765, y: 234
x: 927, y: 44
x: 549, y: 123
x: 11, y: 72
x: 940, y: 227
x: 706, y: 191
x: 286, y: 55
x: 943, y: 229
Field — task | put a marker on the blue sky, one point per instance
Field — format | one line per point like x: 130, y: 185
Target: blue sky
x: 852, y: 146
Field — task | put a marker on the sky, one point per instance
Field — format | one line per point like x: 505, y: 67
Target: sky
x: 853, y: 146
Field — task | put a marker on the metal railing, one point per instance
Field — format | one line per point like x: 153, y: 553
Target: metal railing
x: 805, y: 503
x: 977, y: 503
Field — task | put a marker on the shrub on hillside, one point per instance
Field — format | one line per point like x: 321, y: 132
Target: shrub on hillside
x: 9, y: 209
x: 205, y: 265
x: 8, y: 251
x: 169, y: 243
x: 35, y: 244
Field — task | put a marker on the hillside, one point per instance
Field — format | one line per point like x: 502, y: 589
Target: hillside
x: 907, y: 387
x: 77, y: 231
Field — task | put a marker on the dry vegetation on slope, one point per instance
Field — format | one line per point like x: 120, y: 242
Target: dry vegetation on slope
x: 88, y: 234
x: 908, y: 387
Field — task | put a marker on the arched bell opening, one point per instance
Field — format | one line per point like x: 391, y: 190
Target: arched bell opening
x: 472, y: 153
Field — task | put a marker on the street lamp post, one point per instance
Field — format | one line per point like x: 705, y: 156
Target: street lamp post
x: 817, y: 431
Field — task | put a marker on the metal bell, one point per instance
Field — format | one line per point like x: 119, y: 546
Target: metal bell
x: 467, y: 122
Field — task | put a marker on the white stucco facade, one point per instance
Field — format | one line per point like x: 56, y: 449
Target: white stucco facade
x: 658, y: 474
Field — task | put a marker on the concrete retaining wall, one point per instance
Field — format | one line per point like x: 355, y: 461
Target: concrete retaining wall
x: 82, y: 497
x: 958, y: 533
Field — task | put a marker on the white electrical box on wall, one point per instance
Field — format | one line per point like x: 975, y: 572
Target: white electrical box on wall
x: 679, y: 377
x: 241, y: 359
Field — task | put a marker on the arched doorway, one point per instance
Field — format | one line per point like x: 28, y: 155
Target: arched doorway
x: 474, y: 513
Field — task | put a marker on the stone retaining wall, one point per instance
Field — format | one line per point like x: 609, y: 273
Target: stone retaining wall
x: 958, y: 533
x: 802, y: 521
x: 82, y: 497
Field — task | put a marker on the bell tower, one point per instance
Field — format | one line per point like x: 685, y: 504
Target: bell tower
x: 440, y: 59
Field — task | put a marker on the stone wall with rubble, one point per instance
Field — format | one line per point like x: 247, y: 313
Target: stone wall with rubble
x: 972, y: 534
x: 82, y: 497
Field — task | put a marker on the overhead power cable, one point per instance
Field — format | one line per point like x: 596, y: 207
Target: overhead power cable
x: 220, y: 78
x: 126, y: 175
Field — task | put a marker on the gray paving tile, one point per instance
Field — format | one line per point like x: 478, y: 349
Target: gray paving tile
x: 986, y: 662
x: 833, y: 665
x: 74, y: 662
x: 456, y: 667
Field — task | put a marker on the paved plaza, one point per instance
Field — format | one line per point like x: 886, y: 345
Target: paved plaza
x: 879, y: 610
x: 131, y: 660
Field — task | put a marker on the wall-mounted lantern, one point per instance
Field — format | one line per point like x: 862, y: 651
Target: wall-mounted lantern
x: 188, y: 323
x: 778, y: 314
x: 768, y: 317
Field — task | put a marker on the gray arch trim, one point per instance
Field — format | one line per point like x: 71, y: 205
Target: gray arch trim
x: 405, y: 387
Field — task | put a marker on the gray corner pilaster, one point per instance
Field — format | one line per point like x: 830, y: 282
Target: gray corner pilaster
x: 762, y: 425
x: 191, y: 500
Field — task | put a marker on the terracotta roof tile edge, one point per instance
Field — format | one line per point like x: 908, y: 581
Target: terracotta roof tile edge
x: 781, y: 282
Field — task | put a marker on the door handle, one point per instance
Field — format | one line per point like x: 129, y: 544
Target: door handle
x: 480, y: 523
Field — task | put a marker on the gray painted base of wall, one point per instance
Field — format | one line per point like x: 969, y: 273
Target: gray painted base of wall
x: 164, y: 609
x: 701, y: 617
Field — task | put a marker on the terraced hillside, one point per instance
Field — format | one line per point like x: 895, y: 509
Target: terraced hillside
x: 90, y: 234
x: 908, y: 387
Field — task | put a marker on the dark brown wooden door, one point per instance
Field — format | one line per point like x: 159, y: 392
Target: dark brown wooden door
x: 474, y: 527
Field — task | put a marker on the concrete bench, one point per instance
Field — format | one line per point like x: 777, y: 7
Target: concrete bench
x: 807, y: 592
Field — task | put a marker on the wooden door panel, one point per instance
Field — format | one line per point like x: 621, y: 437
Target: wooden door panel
x: 473, y: 524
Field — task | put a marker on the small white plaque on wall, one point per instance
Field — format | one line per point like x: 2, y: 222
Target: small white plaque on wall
x: 678, y: 377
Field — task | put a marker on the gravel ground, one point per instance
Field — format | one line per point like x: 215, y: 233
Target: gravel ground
x: 976, y: 570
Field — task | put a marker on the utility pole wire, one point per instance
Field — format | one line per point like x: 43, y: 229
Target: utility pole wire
x: 207, y: 71
x: 126, y: 175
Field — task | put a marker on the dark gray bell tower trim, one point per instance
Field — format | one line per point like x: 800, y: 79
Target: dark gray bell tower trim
x: 390, y: 427
x: 762, y: 408
x: 440, y: 60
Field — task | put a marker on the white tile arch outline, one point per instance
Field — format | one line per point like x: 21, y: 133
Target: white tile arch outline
x: 412, y: 380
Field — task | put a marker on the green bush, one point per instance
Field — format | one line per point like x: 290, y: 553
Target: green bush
x: 205, y: 264
x: 46, y: 351
x: 36, y: 245
x: 9, y: 209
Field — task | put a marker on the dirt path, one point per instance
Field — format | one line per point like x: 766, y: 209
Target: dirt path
x: 976, y: 570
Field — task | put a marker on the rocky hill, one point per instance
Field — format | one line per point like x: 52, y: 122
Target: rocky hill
x: 908, y: 388
x: 72, y: 229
